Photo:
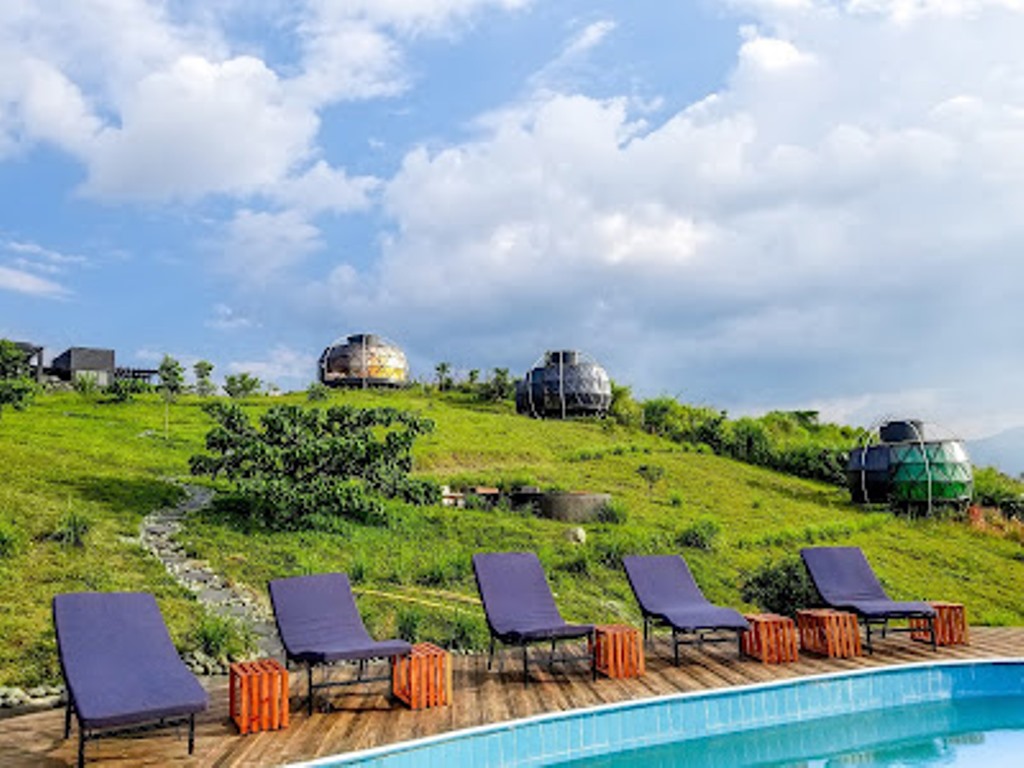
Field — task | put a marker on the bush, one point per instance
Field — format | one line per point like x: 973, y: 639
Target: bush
x: 10, y: 539
x: 300, y: 467
x: 222, y: 638
x: 408, y: 623
x: 781, y: 587
x: 317, y: 392
x: 699, y: 535
x: 72, y: 529
x: 612, y: 512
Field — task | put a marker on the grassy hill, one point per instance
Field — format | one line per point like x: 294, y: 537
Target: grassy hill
x: 70, y: 460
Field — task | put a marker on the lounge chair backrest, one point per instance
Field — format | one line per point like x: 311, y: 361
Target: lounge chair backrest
x: 100, y: 634
x: 842, y: 574
x: 312, y: 610
x: 514, y: 591
x: 661, y: 582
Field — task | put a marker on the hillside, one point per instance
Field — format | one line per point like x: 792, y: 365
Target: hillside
x: 69, y: 459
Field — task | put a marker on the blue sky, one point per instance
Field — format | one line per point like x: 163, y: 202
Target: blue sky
x: 751, y: 204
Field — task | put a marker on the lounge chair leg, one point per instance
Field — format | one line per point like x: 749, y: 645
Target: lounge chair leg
x: 931, y: 626
x: 309, y: 683
x: 526, y: 675
x: 739, y: 643
x: 490, y: 655
x: 551, y: 658
x: 647, y: 630
x: 867, y: 628
x: 885, y: 628
x: 81, y: 747
x: 191, y: 733
x: 675, y: 645
x: 593, y: 655
x: 67, y: 717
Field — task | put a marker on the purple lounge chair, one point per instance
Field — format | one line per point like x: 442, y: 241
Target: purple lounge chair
x: 120, y: 666
x: 846, y: 582
x: 319, y: 623
x: 519, y: 606
x: 667, y: 594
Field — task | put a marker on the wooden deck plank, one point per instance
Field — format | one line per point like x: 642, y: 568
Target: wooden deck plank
x: 366, y: 717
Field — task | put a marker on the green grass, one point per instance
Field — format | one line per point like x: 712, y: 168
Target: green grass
x: 109, y: 464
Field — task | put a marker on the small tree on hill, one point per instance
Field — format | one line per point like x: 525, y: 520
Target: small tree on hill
x: 172, y: 381
x: 204, y: 385
x: 239, y: 385
x: 16, y: 388
x: 651, y: 473
x: 500, y: 387
x: 444, y: 380
x: 299, y: 468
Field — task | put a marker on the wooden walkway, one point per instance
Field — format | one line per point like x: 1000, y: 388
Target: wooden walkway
x: 366, y: 719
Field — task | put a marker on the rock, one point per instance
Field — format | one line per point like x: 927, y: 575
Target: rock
x: 576, y: 535
x: 37, y: 693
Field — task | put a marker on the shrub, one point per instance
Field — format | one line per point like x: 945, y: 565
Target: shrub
x: 239, y: 385
x: 466, y: 633
x: 408, y: 623
x: 72, y: 529
x: 612, y: 512
x: 220, y: 637
x: 781, y: 586
x: 301, y: 466
x: 675, y: 499
x: 10, y: 539
x: 317, y: 392
x: 699, y: 535
x: 651, y: 474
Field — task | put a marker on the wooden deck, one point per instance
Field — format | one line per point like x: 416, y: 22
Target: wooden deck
x: 366, y: 719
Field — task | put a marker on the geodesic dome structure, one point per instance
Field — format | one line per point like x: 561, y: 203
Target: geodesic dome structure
x: 364, y: 360
x: 910, y: 467
x: 562, y: 384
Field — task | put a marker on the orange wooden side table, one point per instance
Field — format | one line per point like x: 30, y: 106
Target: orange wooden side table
x: 258, y: 693
x: 771, y: 638
x: 829, y: 633
x: 423, y: 677
x: 950, y: 625
x: 618, y: 651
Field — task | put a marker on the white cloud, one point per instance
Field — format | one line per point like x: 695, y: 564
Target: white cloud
x: 259, y: 246
x: 843, y: 213
x: 323, y: 188
x: 20, y: 281
x: 227, y: 319
x: 283, y: 366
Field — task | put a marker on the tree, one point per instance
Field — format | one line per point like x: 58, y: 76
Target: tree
x: 651, y: 473
x: 172, y: 381
x: 444, y: 381
x: 204, y: 386
x: 239, y: 385
x: 16, y: 388
x: 500, y: 387
x: 302, y: 467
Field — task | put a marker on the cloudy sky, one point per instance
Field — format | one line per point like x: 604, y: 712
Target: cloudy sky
x: 752, y: 204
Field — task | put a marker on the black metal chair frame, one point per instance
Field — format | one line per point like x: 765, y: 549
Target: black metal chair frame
x: 652, y: 621
x: 92, y: 734
x: 522, y: 644
x: 311, y: 687
x: 883, y: 622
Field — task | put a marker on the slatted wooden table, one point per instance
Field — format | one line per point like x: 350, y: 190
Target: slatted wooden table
x: 258, y: 695
x: 829, y: 633
x: 771, y: 638
x: 423, y: 678
x: 950, y: 625
x: 618, y: 651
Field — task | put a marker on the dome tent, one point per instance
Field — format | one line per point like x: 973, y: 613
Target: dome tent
x: 910, y: 468
x: 364, y: 360
x: 564, y: 383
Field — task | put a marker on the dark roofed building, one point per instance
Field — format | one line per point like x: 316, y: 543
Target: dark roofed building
x: 80, y: 362
x: 32, y: 351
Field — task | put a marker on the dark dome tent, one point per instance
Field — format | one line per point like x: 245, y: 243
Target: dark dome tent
x: 562, y: 384
x: 910, y: 467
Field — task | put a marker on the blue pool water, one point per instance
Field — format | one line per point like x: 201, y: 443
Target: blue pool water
x: 913, y: 715
x: 984, y: 732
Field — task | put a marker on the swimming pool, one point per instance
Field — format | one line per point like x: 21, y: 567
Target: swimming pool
x: 793, y: 707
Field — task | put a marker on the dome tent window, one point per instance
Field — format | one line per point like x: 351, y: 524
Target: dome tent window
x: 364, y: 360
x: 562, y: 384
x: 910, y: 469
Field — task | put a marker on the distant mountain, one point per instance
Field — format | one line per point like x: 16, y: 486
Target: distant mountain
x: 1004, y: 450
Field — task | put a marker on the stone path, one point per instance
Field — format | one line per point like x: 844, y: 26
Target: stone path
x: 158, y: 533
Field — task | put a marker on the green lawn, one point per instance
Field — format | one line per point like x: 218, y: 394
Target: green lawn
x: 113, y: 464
